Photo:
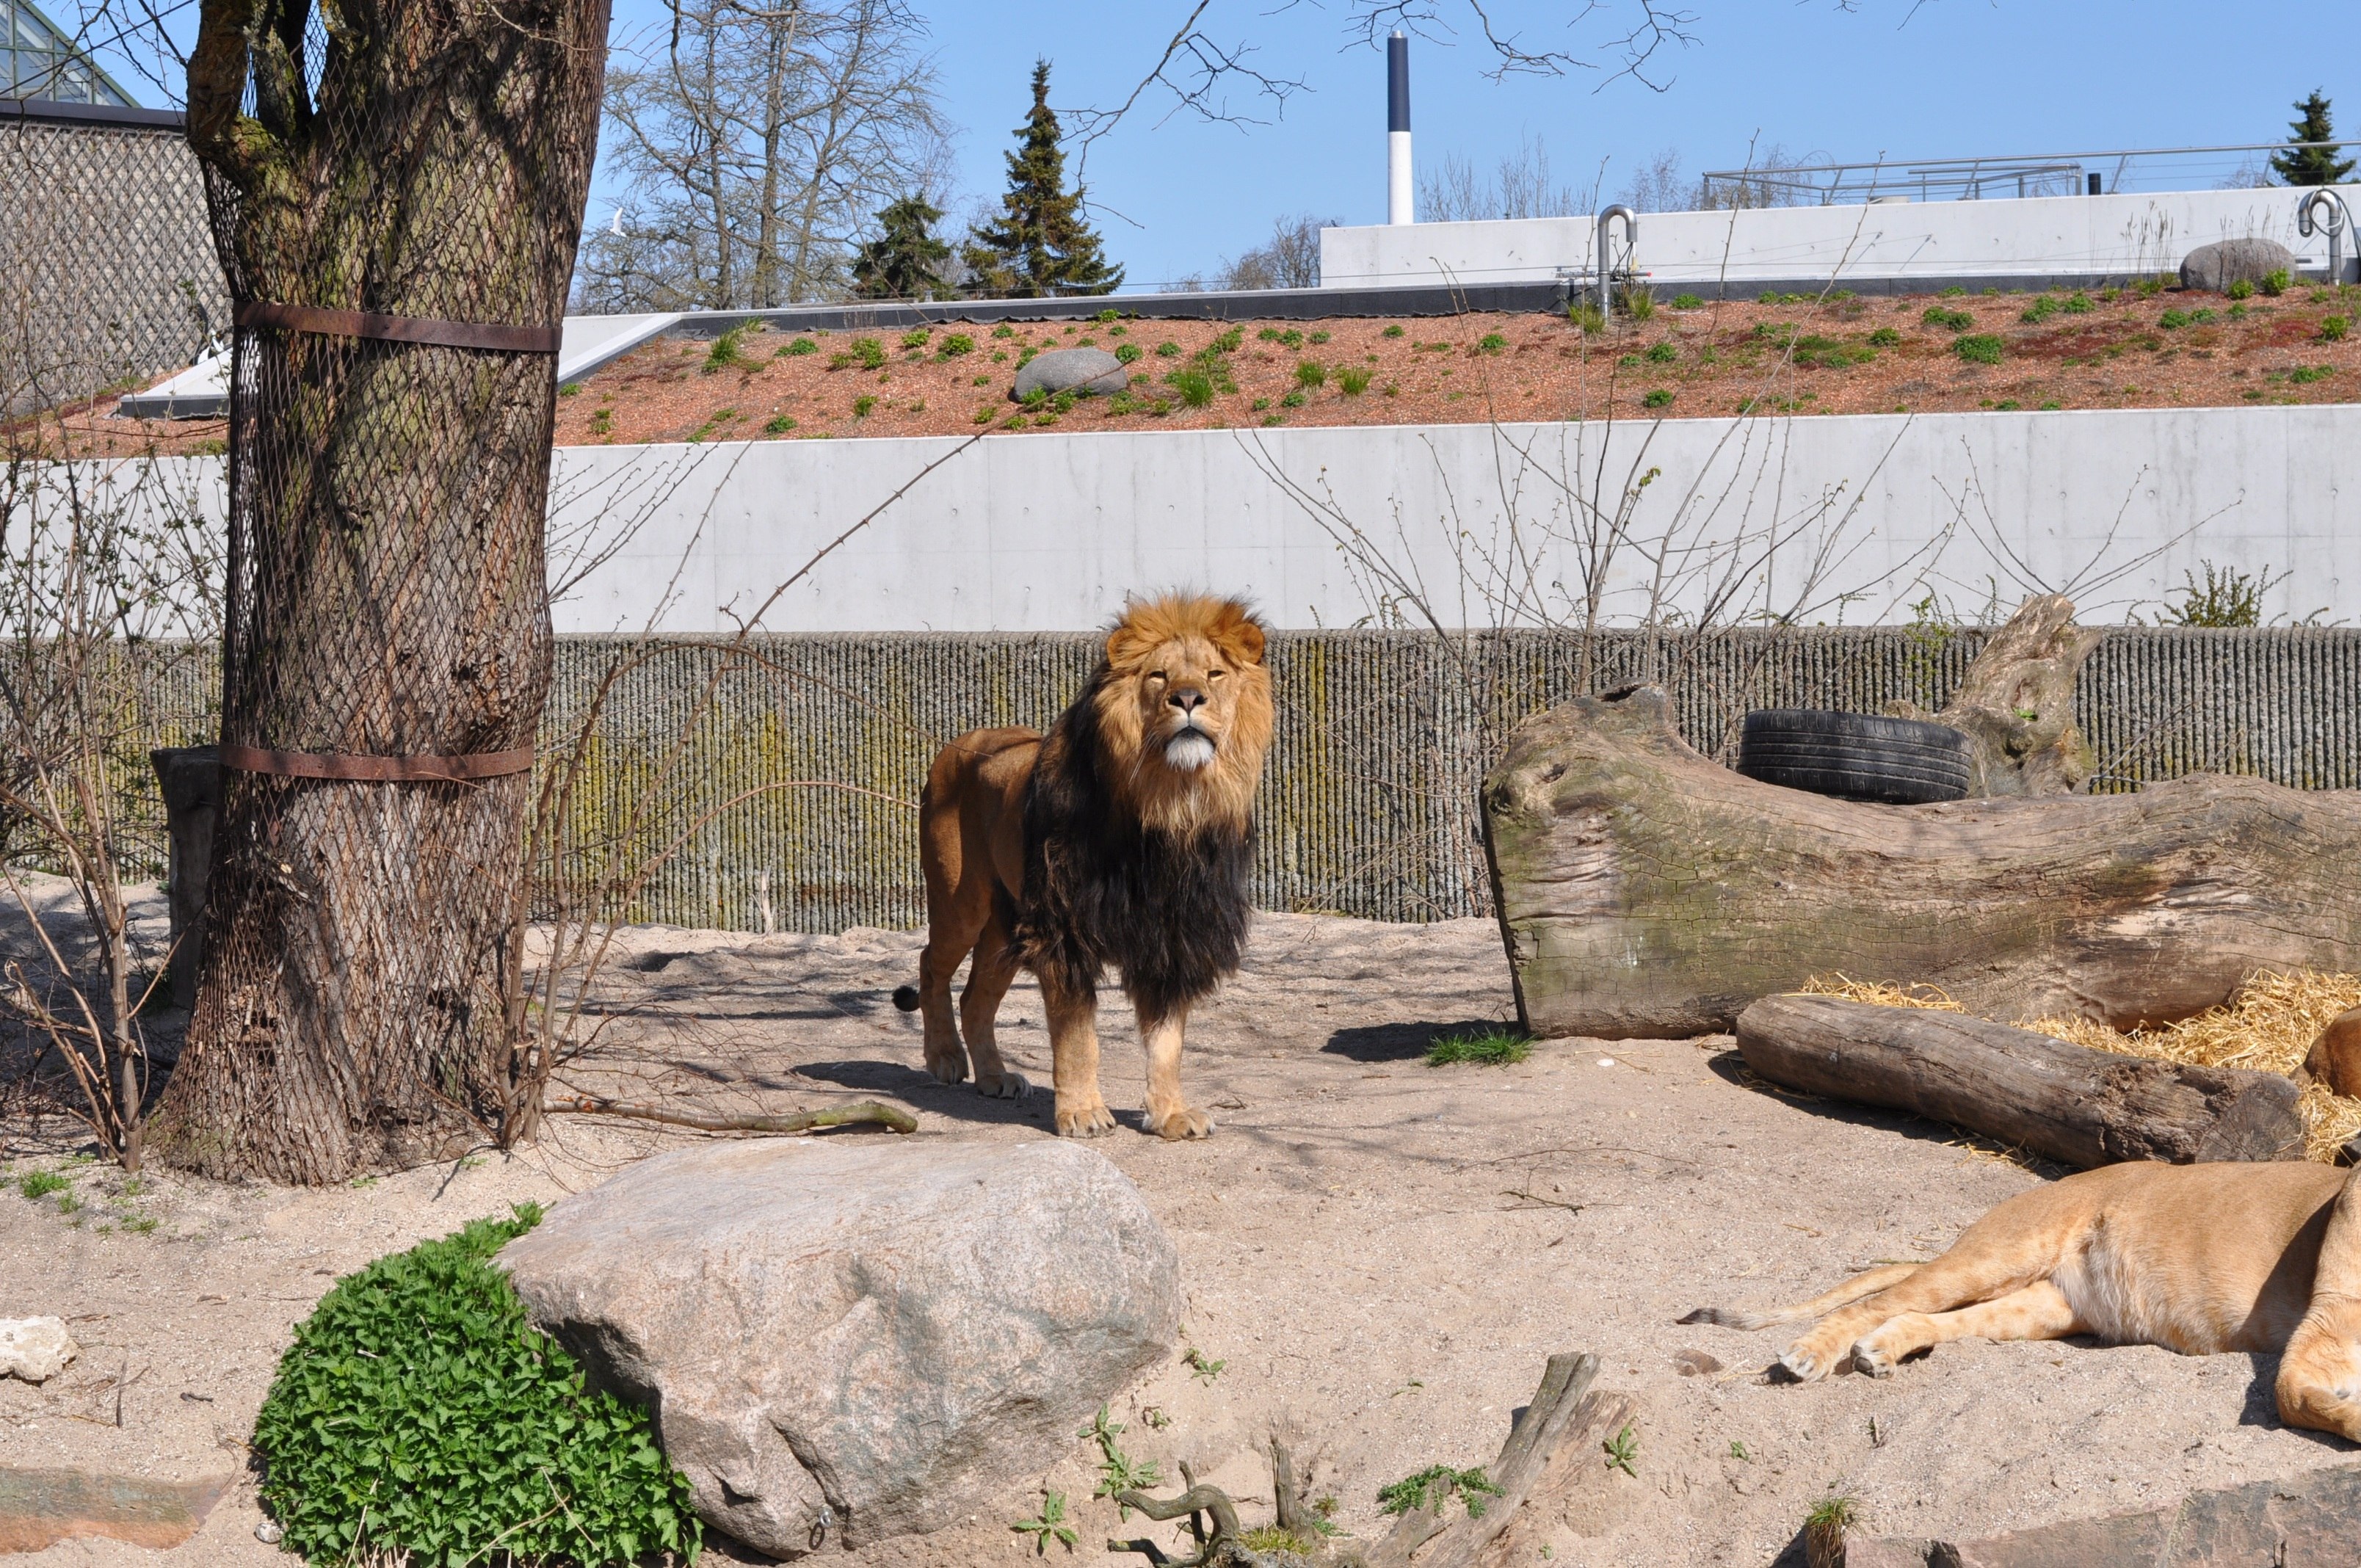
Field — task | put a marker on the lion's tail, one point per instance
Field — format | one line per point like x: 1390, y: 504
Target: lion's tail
x: 1844, y: 1295
x: 906, y: 997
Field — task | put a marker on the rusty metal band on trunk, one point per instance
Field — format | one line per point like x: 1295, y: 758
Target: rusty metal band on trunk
x: 399, y: 329
x: 376, y: 770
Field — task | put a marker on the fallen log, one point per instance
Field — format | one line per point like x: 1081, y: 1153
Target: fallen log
x: 1645, y: 890
x: 2067, y: 1102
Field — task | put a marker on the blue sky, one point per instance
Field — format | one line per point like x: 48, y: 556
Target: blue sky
x: 1962, y: 77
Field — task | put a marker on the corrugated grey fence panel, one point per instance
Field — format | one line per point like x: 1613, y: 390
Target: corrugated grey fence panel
x: 784, y: 773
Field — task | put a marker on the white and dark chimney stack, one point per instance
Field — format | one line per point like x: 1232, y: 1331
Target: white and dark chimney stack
x: 1399, y: 208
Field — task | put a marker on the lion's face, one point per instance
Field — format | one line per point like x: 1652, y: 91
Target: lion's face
x: 1184, y: 712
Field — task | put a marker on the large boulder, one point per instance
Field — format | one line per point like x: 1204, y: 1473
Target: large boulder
x: 1085, y: 371
x: 2213, y: 267
x: 843, y: 1342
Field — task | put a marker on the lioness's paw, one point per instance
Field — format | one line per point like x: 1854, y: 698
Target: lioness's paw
x: 1007, y: 1086
x: 1085, y: 1121
x: 1871, y: 1362
x: 1175, y: 1125
x: 949, y: 1068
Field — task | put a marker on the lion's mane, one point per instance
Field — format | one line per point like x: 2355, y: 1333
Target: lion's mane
x: 1164, y: 900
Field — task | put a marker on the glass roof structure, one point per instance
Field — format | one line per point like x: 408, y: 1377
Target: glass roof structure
x: 38, y: 61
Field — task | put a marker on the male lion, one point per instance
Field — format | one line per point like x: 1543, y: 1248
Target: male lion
x: 2197, y: 1258
x: 1122, y: 837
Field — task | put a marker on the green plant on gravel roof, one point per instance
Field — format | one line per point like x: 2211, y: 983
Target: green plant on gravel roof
x: 1352, y: 379
x: 1495, y: 1044
x: 1658, y: 398
x: 1662, y: 353
x: 1049, y: 1526
x: 954, y: 344
x: 1688, y: 302
x: 2277, y: 281
x: 419, y: 1416
x: 1884, y: 337
x: 2240, y: 289
x: 1640, y: 304
x: 1129, y: 352
x: 1951, y: 321
x: 1195, y: 387
x: 1586, y: 317
x: 1490, y: 343
x: 1978, y: 348
x: 1393, y: 331
x: 2333, y: 328
x: 1167, y: 350
x: 1319, y: 337
x: 1435, y: 1486
x: 1310, y: 373
x: 728, y: 350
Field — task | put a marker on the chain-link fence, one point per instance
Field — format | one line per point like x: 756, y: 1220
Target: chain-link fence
x: 1369, y: 801
x: 107, y: 271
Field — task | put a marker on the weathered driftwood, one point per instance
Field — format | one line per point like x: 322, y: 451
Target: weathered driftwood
x: 1555, y: 1442
x: 2016, y: 704
x: 891, y: 1117
x: 2066, y: 1102
x: 1645, y: 890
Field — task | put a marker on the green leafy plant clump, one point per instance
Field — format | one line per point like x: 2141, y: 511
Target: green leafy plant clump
x: 38, y: 1184
x: 1660, y: 398
x: 1487, y: 1047
x: 1432, y: 1487
x: 1688, y: 302
x: 419, y: 1414
x: 1979, y: 348
x: 2333, y: 328
x: 1952, y: 321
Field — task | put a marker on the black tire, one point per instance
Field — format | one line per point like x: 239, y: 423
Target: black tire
x: 1855, y: 756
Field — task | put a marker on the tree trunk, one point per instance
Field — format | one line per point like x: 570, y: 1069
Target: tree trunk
x: 2016, y: 703
x: 1645, y: 890
x: 2068, y: 1102
x: 387, y: 586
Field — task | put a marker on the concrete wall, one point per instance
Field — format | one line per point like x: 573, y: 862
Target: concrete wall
x: 2062, y: 236
x: 1831, y: 519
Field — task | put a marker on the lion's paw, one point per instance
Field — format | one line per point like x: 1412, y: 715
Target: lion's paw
x: 948, y: 1067
x: 1804, y: 1365
x: 1871, y: 1362
x: 1174, y: 1125
x: 1007, y: 1086
x: 1085, y: 1121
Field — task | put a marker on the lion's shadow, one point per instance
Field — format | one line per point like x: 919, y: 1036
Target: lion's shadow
x: 1399, y: 1042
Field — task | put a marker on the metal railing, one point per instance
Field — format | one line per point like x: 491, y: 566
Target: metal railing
x: 1974, y: 179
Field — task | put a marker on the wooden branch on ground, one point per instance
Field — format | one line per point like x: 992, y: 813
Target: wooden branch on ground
x: 2065, y: 1101
x: 1645, y: 890
x: 869, y: 1111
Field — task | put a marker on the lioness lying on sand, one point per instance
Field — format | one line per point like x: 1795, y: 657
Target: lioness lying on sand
x: 2197, y: 1258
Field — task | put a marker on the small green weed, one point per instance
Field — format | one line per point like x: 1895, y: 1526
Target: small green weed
x: 1195, y: 386
x: 1737, y: 1450
x: 1662, y: 353
x: 1167, y: 350
x: 1110, y: 313
x: 862, y: 405
x: 1836, y: 1511
x: 1229, y: 342
x: 1586, y: 317
x: 1639, y: 304
x: 1623, y: 1451
x: 1494, y: 1046
x: 1432, y: 1487
x: 571, y: 389
x: 1352, y: 379
x: 1118, y: 1472
x: 2277, y: 281
x: 1293, y: 401
x: 918, y: 337
x: 778, y: 424
x: 1490, y: 343
x: 1129, y: 352
x: 954, y: 346
x: 1951, y: 321
x: 728, y: 350
x: 1687, y: 303
x: 2148, y: 288
x: 1884, y: 337
x: 2304, y: 374
x: 795, y: 348
x: 1202, y: 1369
x: 1287, y: 337
x: 1319, y: 337
x: 2240, y: 289
x: 2333, y: 328
x: 1659, y: 397
x: 1978, y: 348
x: 1953, y: 292
x: 68, y: 1204
x: 41, y: 1183
x: 1311, y: 373
x: 1050, y: 1525
x: 1393, y: 331
x: 138, y: 1224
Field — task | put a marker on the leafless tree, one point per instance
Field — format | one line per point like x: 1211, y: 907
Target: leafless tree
x: 755, y: 142
x: 1659, y: 186
x: 1288, y: 259
x: 1520, y: 186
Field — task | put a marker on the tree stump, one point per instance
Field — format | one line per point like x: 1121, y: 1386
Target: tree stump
x: 2016, y: 704
x: 1644, y: 891
x: 2065, y: 1101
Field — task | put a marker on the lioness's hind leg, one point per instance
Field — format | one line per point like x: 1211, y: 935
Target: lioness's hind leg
x: 2040, y: 1310
x: 988, y: 979
x: 1819, y: 1306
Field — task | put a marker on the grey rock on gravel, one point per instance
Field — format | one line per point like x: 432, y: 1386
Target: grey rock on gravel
x: 849, y: 1341
x: 35, y: 1349
x: 1087, y: 371
x: 2215, y: 267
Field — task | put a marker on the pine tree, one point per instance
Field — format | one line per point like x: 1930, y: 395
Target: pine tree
x: 906, y: 261
x: 2311, y: 164
x: 1039, y: 244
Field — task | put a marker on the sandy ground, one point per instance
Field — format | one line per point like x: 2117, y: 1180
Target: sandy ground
x: 1379, y: 1253
x: 2108, y: 349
